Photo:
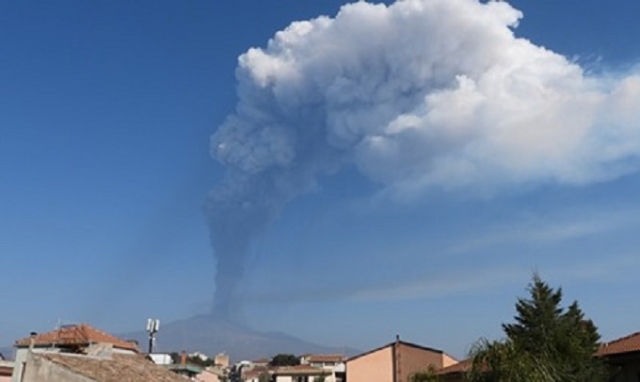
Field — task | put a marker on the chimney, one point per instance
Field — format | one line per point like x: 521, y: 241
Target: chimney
x: 183, y: 358
x: 32, y: 340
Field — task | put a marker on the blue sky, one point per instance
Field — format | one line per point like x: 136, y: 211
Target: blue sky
x: 106, y: 109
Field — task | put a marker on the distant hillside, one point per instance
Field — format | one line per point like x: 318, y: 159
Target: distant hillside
x: 211, y: 335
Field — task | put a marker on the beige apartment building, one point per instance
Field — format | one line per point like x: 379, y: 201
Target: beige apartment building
x: 395, y: 362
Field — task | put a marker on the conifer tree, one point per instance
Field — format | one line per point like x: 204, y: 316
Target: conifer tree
x: 545, y: 343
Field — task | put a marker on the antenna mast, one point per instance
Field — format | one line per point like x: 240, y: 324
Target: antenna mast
x: 153, y: 325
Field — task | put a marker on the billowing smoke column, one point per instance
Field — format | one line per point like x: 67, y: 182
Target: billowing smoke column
x: 417, y: 95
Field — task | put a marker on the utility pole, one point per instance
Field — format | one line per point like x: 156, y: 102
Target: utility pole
x: 152, y: 328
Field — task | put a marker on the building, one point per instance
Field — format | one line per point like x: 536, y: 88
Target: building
x: 254, y: 374
x: 161, y: 358
x: 395, y: 362
x: 104, y: 367
x: 211, y: 374
x: 300, y: 373
x: 221, y: 360
x: 69, y: 339
x: 456, y: 372
x: 624, y: 355
x: 82, y: 353
x: 187, y: 370
x: 261, y: 362
x: 6, y: 370
x: 334, y: 364
x: 184, y: 368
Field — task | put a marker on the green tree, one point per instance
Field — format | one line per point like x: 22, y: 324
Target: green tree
x: 203, y: 363
x: 427, y: 375
x: 502, y: 361
x: 545, y: 343
x: 176, y: 358
x: 285, y: 360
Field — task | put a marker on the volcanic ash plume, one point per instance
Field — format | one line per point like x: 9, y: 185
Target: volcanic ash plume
x: 417, y: 95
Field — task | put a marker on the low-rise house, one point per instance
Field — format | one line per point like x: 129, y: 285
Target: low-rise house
x: 185, y: 368
x: 6, y: 370
x: 623, y: 354
x: 456, y: 372
x: 75, y: 338
x: 68, y: 339
x: 334, y: 364
x: 300, y: 373
x: 221, y: 360
x: 261, y: 362
x: 104, y: 367
x: 82, y: 353
x: 210, y: 374
x: 161, y: 358
x: 256, y: 374
x: 251, y: 370
x: 395, y: 362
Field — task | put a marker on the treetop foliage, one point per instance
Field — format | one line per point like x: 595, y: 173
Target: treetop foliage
x: 545, y: 343
x: 285, y: 360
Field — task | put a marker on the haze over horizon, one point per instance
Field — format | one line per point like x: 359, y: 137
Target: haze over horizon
x: 409, y: 183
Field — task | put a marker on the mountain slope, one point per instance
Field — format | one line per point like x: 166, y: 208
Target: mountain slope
x: 212, y: 335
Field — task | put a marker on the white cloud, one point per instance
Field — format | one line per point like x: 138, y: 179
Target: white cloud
x: 549, y: 229
x: 428, y: 93
x: 479, y: 281
x: 463, y: 281
x: 459, y: 279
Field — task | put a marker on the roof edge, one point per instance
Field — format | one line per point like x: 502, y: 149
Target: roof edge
x: 410, y: 344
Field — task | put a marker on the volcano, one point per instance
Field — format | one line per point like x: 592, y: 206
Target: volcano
x: 211, y: 335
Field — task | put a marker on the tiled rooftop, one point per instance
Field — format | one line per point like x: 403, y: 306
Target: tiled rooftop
x: 80, y: 335
x: 299, y: 370
x: 319, y: 358
x: 117, y: 368
x: 630, y: 343
x: 255, y: 372
x: 460, y: 367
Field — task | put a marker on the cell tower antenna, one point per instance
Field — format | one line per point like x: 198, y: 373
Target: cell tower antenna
x: 153, y: 325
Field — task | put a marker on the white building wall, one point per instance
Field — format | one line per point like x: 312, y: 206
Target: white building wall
x: 21, y: 358
x: 39, y: 369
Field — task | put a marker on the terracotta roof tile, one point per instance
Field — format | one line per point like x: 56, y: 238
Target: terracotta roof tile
x: 630, y: 343
x: 460, y: 367
x: 254, y: 372
x: 118, y: 368
x: 315, y: 358
x: 81, y: 334
x: 299, y: 370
